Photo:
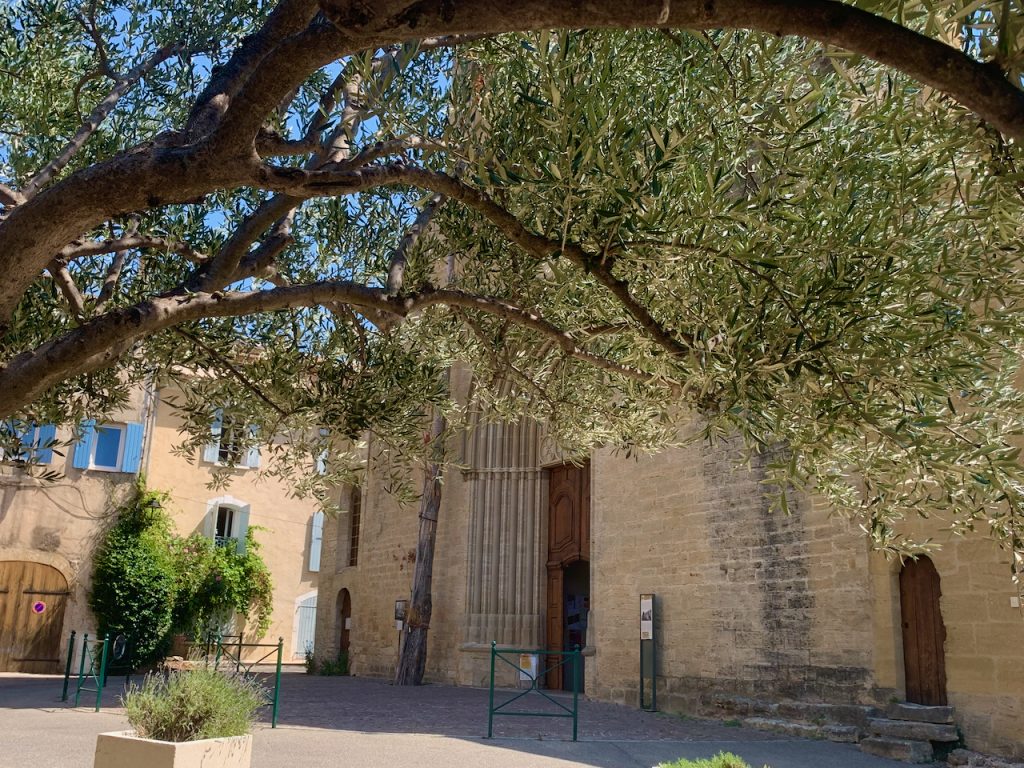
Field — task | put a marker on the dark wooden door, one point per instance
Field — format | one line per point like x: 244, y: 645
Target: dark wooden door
x: 568, y: 543
x: 32, y: 601
x: 924, y: 634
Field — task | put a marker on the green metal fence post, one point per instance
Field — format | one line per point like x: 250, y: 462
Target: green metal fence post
x: 238, y: 660
x: 490, y: 706
x: 576, y: 659
x: 81, y: 667
x: 101, y: 678
x: 216, y: 655
x: 277, y: 681
x: 67, y: 667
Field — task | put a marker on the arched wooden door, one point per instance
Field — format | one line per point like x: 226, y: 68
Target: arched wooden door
x: 32, y: 601
x: 924, y: 634
x: 568, y: 543
x: 344, y: 619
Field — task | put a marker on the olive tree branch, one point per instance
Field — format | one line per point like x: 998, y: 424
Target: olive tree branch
x: 96, y: 118
x: 98, y: 342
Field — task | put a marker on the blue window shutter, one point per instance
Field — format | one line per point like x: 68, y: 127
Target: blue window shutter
x: 210, y: 521
x: 132, y: 460
x: 27, y: 438
x: 316, y: 538
x: 211, y: 452
x: 44, y: 445
x: 241, y: 527
x: 252, y: 456
x: 84, y: 446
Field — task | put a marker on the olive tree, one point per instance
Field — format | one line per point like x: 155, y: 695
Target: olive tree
x: 795, y: 222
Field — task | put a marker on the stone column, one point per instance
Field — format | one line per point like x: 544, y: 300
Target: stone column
x: 505, y: 574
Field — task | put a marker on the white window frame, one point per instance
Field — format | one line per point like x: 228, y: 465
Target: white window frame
x: 239, y: 522
x: 248, y: 457
x: 123, y: 431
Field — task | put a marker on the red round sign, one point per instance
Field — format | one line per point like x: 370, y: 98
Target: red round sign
x: 38, y: 607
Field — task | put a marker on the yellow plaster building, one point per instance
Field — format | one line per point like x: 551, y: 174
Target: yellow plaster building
x: 49, y: 529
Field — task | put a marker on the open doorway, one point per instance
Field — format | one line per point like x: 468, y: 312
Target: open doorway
x: 575, y: 611
x: 344, y: 620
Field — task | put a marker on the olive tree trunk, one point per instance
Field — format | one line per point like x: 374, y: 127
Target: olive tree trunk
x: 413, y: 657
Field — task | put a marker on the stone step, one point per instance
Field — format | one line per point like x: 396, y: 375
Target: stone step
x: 913, y: 730
x: 907, y: 750
x: 903, y: 710
x: 961, y: 757
x: 847, y: 734
x: 845, y: 714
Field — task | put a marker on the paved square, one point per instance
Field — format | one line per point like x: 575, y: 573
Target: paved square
x: 366, y: 723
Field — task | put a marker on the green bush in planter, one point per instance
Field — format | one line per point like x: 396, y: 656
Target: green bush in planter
x: 201, y: 703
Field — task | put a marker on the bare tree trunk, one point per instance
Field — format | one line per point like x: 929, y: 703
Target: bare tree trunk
x: 413, y: 659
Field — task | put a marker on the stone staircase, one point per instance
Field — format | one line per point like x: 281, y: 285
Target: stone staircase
x: 911, y: 732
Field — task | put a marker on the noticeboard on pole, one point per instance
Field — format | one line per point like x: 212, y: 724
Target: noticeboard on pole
x: 648, y: 654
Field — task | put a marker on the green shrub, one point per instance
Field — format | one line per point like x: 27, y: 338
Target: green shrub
x: 149, y: 583
x: 133, y: 582
x: 334, y: 667
x: 721, y: 760
x: 214, y: 583
x: 200, y: 703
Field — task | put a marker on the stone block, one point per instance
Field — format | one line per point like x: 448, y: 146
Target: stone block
x: 846, y: 714
x: 788, y: 727
x: 898, y: 749
x: 908, y: 729
x: 919, y: 712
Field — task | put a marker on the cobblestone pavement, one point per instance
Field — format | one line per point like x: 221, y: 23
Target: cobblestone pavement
x: 370, y: 724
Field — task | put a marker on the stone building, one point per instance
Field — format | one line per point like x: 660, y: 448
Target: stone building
x: 49, y: 528
x: 755, y: 612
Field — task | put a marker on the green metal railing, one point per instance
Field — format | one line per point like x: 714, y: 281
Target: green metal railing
x: 232, y: 653
x: 107, y: 653
x: 566, y: 661
x: 94, y: 653
x: 67, y: 666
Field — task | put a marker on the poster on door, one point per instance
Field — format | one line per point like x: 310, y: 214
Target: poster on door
x: 646, y: 617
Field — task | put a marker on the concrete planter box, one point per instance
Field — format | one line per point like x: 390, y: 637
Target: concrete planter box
x: 123, y: 749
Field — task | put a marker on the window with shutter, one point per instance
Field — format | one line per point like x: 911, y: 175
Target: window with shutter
x: 228, y: 441
x: 109, y: 447
x: 316, y: 537
x: 355, y: 522
x: 24, y: 442
x: 227, y: 522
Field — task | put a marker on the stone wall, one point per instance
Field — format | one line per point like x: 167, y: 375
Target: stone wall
x: 750, y: 602
x: 60, y: 522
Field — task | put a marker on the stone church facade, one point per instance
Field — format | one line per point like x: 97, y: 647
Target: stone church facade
x: 753, y: 608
